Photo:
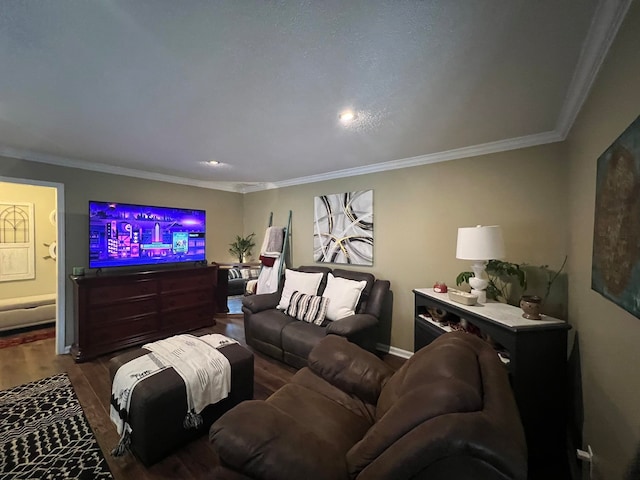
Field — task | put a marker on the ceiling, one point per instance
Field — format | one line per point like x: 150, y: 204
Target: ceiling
x: 155, y: 88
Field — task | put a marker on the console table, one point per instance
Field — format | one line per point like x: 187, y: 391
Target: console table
x: 536, y: 359
x: 115, y: 311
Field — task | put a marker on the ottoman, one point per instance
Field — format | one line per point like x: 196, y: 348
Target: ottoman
x: 158, y: 404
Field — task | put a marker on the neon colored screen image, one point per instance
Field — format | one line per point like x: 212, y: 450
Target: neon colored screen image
x: 123, y: 235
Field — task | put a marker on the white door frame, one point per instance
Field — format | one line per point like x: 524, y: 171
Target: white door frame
x: 61, y: 324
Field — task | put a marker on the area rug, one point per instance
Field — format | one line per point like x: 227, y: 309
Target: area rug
x: 44, y: 434
x: 27, y: 337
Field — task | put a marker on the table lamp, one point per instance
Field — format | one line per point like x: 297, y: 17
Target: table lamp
x: 480, y: 243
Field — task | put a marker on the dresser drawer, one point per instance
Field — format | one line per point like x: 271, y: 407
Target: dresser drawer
x: 180, y: 283
x: 123, y: 311
x: 187, y: 319
x: 114, y: 293
x: 186, y: 299
x: 106, y: 334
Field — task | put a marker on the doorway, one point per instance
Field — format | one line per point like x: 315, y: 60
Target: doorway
x: 54, y: 249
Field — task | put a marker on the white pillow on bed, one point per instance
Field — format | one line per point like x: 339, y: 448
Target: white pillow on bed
x: 303, y: 282
x: 343, y: 295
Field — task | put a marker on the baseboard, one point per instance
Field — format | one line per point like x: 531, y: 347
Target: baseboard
x: 393, y: 351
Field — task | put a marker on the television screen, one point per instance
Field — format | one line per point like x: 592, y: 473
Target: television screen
x: 123, y: 235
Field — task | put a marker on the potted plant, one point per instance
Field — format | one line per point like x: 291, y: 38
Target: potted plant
x: 504, y: 276
x: 501, y: 275
x: 242, y: 246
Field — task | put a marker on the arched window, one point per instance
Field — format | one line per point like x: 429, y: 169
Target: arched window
x: 17, y: 247
x: 14, y: 224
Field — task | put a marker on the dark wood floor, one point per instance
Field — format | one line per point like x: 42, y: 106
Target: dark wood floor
x: 33, y: 361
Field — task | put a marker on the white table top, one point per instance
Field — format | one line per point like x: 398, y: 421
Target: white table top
x: 498, y: 312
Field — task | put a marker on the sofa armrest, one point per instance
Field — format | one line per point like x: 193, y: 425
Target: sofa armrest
x: 261, y: 441
x: 351, y: 325
x: 258, y: 303
x: 349, y: 367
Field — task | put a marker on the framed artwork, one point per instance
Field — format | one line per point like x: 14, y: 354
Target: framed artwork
x: 343, y: 228
x: 17, y: 247
x: 615, y: 269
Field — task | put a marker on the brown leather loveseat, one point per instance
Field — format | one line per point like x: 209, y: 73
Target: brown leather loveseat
x: 273, y: 332
x: 447, y: 413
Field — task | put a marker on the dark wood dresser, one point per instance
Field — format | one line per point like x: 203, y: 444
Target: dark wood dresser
x: 116, y: 311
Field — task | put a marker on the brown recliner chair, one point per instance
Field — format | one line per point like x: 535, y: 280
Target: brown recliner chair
x: 447, y: 413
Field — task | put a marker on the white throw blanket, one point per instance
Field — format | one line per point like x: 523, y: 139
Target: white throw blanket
x: 269, y: 278
x: 124, y: 381
x: 206, y: 373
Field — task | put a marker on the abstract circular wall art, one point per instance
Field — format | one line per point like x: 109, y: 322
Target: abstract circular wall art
x: 343, y: 228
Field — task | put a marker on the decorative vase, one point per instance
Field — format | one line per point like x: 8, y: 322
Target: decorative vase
x: 530, y: 305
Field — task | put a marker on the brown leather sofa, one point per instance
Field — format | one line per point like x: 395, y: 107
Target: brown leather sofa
x: 447, y: 413
x: 272, y: 332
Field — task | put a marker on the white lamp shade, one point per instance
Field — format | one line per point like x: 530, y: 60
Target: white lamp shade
x: 480, y: 243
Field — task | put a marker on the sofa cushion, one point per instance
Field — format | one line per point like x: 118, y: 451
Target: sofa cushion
x: 299, y: 338
x: 358, y: 276
x: 267, y: 326
x: 323, y: 417
x: 308, y: 308
x: 343, y: 295
x: 302, y: 282
x: 308, y: 379
x: 296, y: 433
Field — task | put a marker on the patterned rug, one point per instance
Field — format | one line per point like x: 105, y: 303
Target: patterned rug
x: 27, y: 336
x: 44, y: 434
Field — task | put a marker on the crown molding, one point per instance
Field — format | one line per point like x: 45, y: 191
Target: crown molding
x: 103, y: 168
x: 604, y: 27
x: 455, y: 154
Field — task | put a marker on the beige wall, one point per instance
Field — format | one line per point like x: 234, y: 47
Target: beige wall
x: 44, y: 201
x: 224, y: 209
x: 417, y: 212
x: 609, y: 337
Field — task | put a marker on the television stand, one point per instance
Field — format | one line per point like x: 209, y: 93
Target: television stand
x: 113, y: 312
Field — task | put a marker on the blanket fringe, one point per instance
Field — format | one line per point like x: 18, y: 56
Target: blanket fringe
x: 192, y: 420
x: 123, y: 444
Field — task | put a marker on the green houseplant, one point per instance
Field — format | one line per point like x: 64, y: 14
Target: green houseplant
x: 501, y: 275
x: 242, y: 246
x: 504, y: 275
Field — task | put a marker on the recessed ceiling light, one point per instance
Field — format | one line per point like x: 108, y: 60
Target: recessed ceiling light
x: 347, y: 116
x: 212, y: 162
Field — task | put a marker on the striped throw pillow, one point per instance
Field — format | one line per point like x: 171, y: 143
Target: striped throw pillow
x: 308, y: 308
x: 234, y: 273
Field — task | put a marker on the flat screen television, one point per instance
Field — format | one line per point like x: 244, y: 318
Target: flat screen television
x: 124, y: 235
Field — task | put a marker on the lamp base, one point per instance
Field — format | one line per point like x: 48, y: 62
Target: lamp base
x: 482, y: 295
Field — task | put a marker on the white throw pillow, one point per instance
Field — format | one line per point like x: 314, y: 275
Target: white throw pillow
x: 303, y: 282
x: 343, y: 295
